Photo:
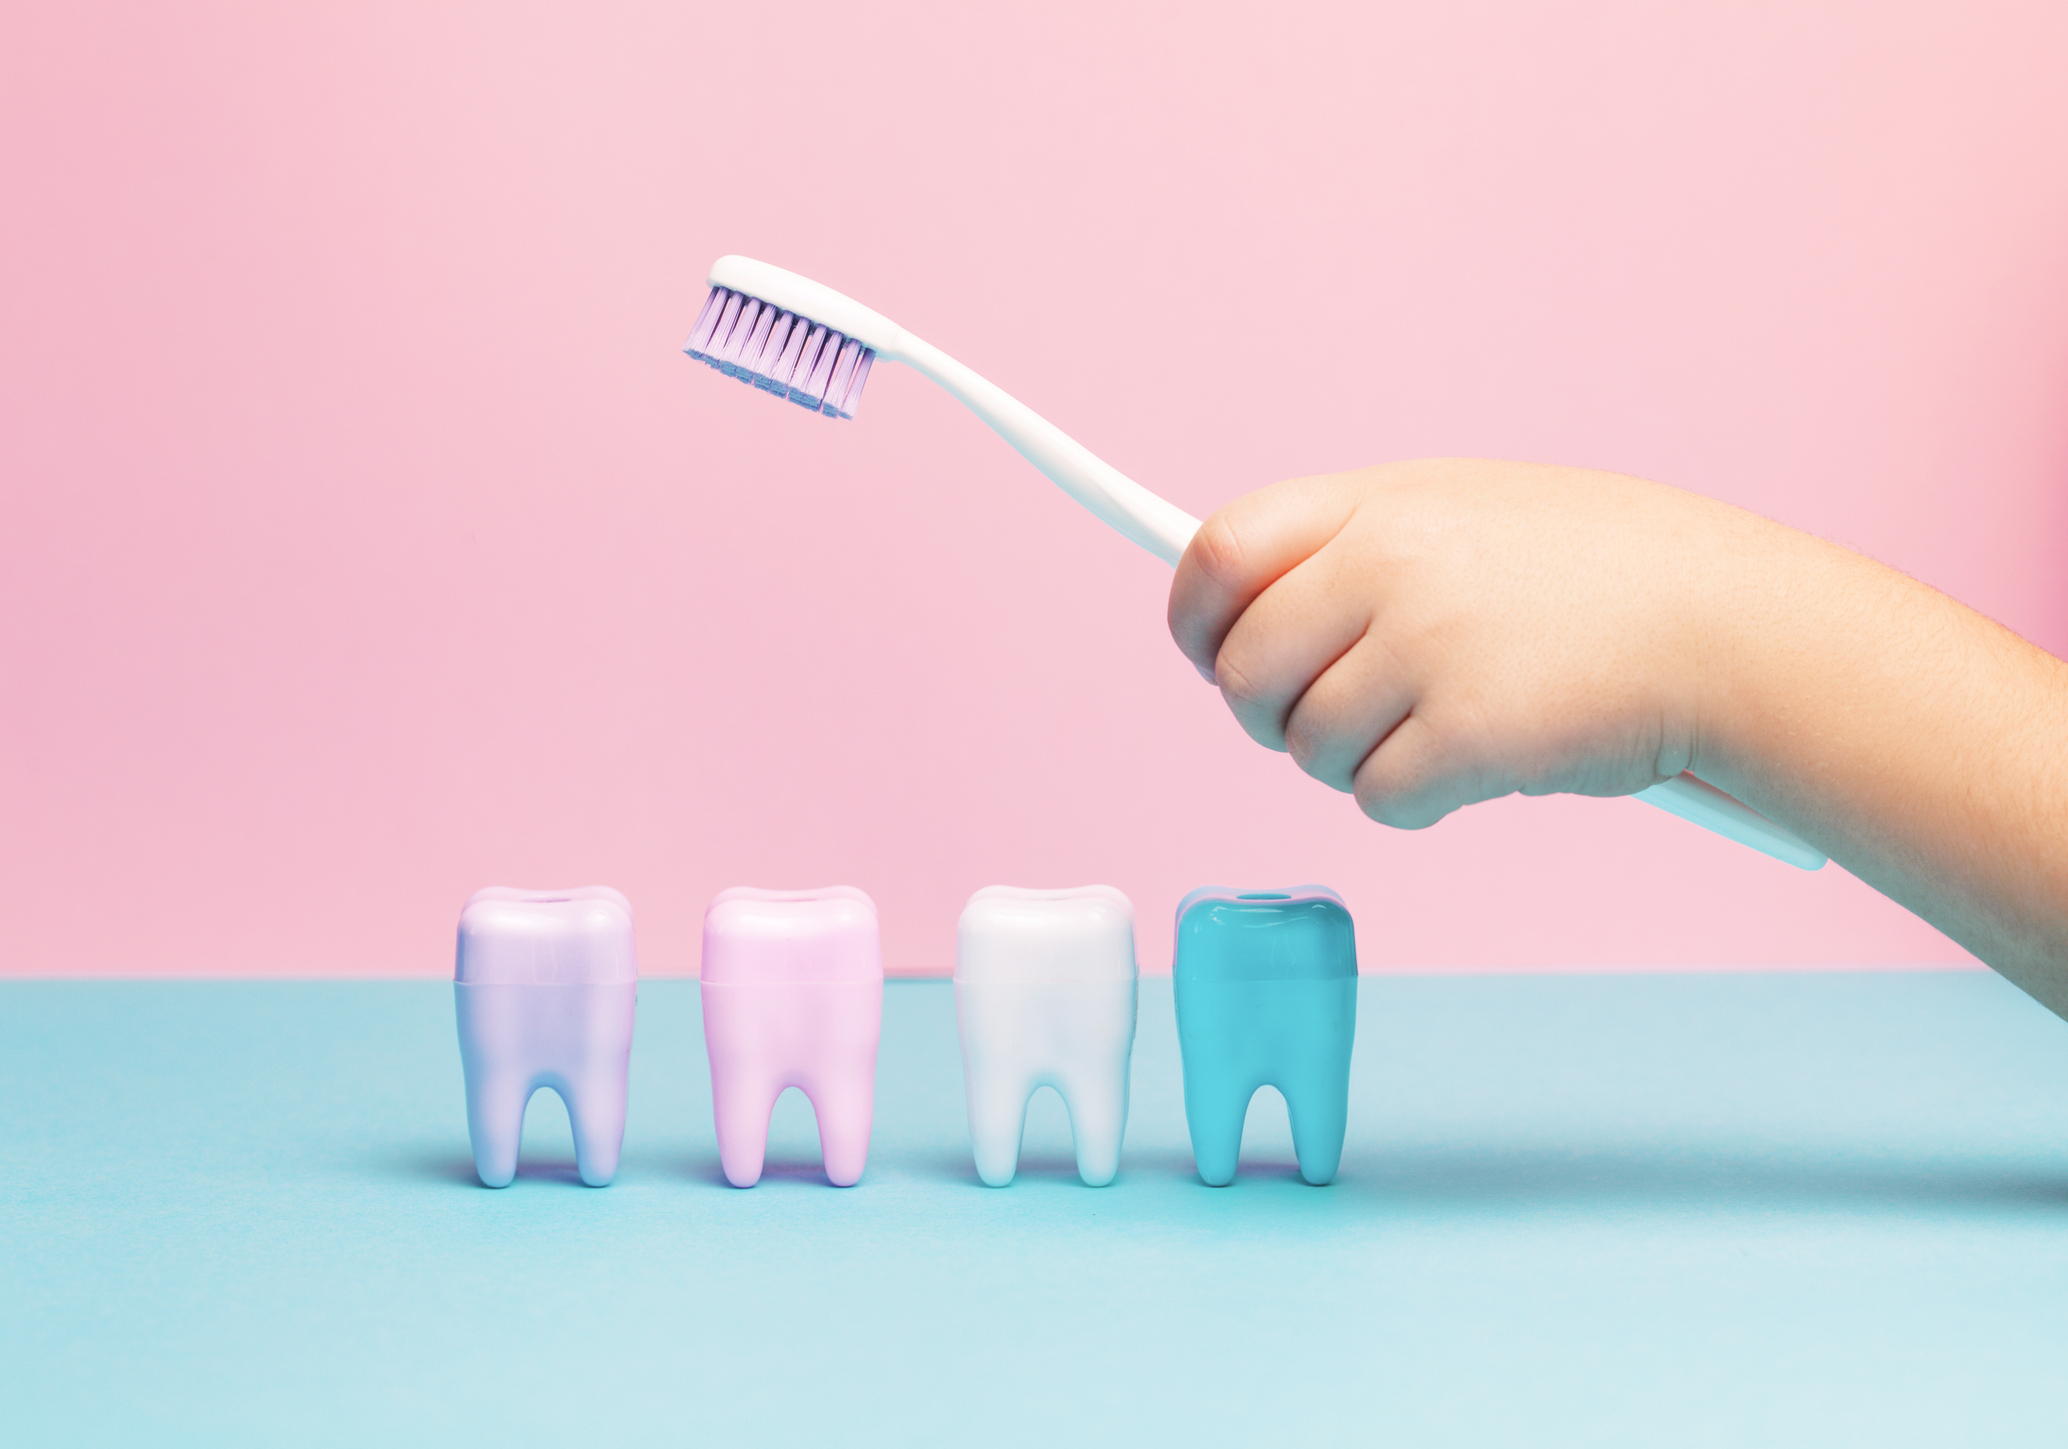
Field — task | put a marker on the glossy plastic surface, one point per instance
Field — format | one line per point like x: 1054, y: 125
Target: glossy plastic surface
x: 793, y: 997
x: 1265, y: 984
x: 567, y: 936
x: 545, y: 991
x: 1045, y: 987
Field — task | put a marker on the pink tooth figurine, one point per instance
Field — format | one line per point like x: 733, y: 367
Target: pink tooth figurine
x: 545, y: 989
x: 793, y: 997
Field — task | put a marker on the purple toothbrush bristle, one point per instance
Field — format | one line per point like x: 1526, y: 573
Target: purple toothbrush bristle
x: 722, y: 328
x: 852, y: 403
x: 800, y: 377
x: 771, y: 352
x: 729, y: 355
x: 700, y: 335
x: 779, y: 373
x: 711, y: 331
x: 843, y: 374
x: 822, y: 371
x: 780, y: 344
x: 780, y: 352
x: 750, y: 353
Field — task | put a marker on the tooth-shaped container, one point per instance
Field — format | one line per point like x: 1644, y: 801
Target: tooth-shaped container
x: 793, y: 997
x: 1266, y: 988
x: 545, y: 990
x: 1045, y: 997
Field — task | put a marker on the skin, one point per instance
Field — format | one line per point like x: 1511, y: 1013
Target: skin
x: 1425, y: 635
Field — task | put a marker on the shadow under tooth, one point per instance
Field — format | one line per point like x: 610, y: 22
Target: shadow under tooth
x: 700, y: 335
x: 822, y: 370
x: 806, y: 360
x: 843, y: 374
x: 779, y: 374
x: 851, y: 404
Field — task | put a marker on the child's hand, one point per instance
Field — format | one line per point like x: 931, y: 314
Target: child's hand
x: 1430, y: 634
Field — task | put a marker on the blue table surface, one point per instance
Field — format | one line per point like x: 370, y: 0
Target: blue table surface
x: 1759, y: 1209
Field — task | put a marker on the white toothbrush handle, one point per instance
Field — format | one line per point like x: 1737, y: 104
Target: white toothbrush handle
x: 1710, y: 808
x: 1165, y: 529
x: 1121, y: 503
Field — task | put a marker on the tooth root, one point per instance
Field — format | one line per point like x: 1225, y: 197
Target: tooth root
x: 1045, y: 996
x: 1095, y: 1099
x: 793, y: 997
x: 997, y: 1110
x: 496, y: 1098
x: 846, y: 1109
x: 1098, y: 1112
x: 595, y: 1101
x: 756, y: 1055
x: 741, y: 1108
x: 1318, y: 1101
x: 1221, y: 1076
x: 1266, y: 988
x: 1215, y: 1107
x: 545, y: 991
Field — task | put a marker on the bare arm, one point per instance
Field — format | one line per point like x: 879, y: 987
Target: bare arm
x: 1426, y: 635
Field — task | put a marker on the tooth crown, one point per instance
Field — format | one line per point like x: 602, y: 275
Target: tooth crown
x: 545, y: 988
x: 793, y: 997
x: 1266, y: 991
x: 1045, y: 994
x: 1007, y: 933
x: 829, y: 934
x: 546, y: 937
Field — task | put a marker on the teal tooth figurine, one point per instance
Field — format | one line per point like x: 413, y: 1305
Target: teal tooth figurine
x: 1266, y: 987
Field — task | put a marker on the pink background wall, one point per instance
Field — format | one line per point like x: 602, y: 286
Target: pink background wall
x: 368, y: 540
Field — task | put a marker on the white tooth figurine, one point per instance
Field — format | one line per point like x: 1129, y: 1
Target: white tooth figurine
x: 1045, y: 996
x: 545, y: 989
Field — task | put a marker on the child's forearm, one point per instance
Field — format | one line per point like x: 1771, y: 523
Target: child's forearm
x: 1922, y: 745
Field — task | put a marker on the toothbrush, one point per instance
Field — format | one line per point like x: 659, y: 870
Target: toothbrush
x: 799, y: 340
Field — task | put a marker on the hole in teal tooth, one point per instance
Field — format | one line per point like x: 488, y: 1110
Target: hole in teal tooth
x: 1264, y: 896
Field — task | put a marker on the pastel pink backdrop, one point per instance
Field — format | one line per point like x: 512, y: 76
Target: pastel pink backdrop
x: 368, y: 540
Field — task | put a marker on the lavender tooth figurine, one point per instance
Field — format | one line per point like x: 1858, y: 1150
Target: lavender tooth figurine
x: 545, y: 988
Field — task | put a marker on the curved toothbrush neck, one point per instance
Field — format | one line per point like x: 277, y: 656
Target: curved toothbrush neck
x: 1123, y: 504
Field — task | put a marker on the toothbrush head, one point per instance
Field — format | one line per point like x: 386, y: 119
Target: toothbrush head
x: 788, y: 336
